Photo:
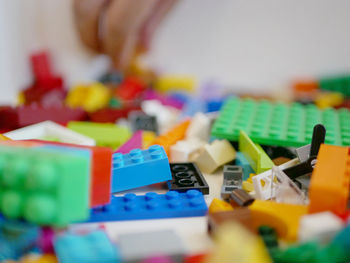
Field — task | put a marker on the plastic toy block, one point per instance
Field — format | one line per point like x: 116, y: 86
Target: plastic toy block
x: 105, y: 134
x: 113, y: 77
x: 175, y: 83
x: 49, y: 129
x: 174, y: 100
x: 130, y: 88
x: 235, y: 244
x: 4, y: 138
x: 280, y: 124
x: 46, y: 258
x: 186, y: 176
x: 40, y: 65
x: 139, y: 168
x: 141, y: 121
x: 45, y: 241
x: 28, y: 115
x: 182, y: 150
x: 90, y: 97
x: 256, y: 156
x: 147, y: 139
x: 158, y: 259
x: 329, y: 99
x: 320, y: 226
x: 339, y: 84
x: 42, y: 186
x: 171, y: 137
x: 8, y: 118
x: 193, y: 106
x: 214, y: 155
x: 243, y: 162
x: 43, y: 96
x: 239, y: 198
x: 199, y: 127
x: 215, y: 105
x: 112, y: 114
x: 135, y: 247
x: 269, y: 236
x: 218, y: 205
x: 196, y: 258
x: 134, y: 142
x: 16, y: 239
x: 306, y: 86
x: 233, y: 176
x: 283, y: 217
x: 93, y: 247
x: 151, y: 206
x: 329, y: 185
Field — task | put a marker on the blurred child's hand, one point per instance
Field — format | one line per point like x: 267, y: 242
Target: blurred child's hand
x: 118, y: 27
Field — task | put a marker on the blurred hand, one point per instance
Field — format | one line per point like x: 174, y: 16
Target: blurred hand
x: 119, y: 27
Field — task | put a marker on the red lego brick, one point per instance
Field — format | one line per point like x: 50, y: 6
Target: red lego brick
x: 112, y: 114
x: 8, y: 118
x: 130, y: 88
x: 44, y: 97
x: 197, y: 258
x: 40, y: 64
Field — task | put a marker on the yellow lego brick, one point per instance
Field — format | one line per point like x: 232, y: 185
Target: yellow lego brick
x: 236, y: 244
x: 176, y: 83
x: 329, y: 99
x: 90, y: 97
x: 20, y: 99
x: 218, y: 205
x: 147, y: 138
x: 247, y: 186
x: 4, y: 138
x: 283, y: 217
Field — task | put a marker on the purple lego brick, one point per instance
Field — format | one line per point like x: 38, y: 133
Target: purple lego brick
x: 151, y: 206
x: 134, y: 142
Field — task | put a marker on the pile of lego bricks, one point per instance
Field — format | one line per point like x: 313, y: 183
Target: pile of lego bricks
x: 284, y: 169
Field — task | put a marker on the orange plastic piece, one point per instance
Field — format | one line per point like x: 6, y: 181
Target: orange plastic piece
x: 306, y: 86
x: 283, y: 217
x: 218, y: 205
x: 171, y: 137
x: 329, y: 185
x: 47, y: 258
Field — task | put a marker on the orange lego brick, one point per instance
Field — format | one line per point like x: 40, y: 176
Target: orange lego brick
x: 305, y: 86
x: 329, y: 185
x: 218, y: 205
x: 171, y: 137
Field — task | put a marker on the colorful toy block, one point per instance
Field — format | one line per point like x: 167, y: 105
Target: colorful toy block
x: 42, y: 186
x: 93, y: 247
x: 175, y: 83
x: 105, y: 134
x: 339, y: 84
x: 4, y: 138
x: 218, y: 205
x: 134, y: 142
x: 151, y: 206
x: 139, y: 168
x: 112, y: 114
x: 35, y: 258
x: 329, y: 99
x: 243, y: 162
x: 182, y: 151
x: 186, y: 176
x: 233, y: 177
x: 199, y: 127
x: 141, y: 121
x: 256, y: 156
x: 329, y: 185
x: 130, y: 88
x: 280, y: 124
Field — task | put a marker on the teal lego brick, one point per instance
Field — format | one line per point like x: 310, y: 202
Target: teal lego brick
x: 42, y: 186
x: 339, y: 84
x: 280, y: 124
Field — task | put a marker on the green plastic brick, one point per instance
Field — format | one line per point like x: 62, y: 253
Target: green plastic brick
x: 105, y: 134
x: 337, y: 84
x: 43, y: 187
x: 280, y: 124
x: 256, y: 156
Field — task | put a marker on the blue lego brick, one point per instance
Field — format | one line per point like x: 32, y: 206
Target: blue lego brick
x: 16, y: 239
x: 139, y: 168
x: 215, y: 104
x: 151, y: 206
x: 94, y: 247
x: 193, y: 106
x: 243, y: 162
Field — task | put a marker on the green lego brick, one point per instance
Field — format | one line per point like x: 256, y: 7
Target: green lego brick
x: 280, y: 124
x: 42, y: 186
x: 337, y: 84
x: 105, y: 134
x: 256, y: 156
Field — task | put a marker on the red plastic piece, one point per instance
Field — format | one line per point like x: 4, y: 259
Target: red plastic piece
x: 198, y: 258
x: 44, y: 97
x: 130, y: 88
x: 112, y: 114
x: 8, y: 118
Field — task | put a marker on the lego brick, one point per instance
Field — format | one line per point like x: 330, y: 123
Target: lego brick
x: 42, y: 186
x: 175, y: 83
x: 35, y: 258
x: 196, y: 258
x: 280, y: 124
x: 141, y: 121
x: 243, y: 162
x: 320, y: 226
x: 8, y: 118
x: 329, y: 185
x: 16, y: 239
x: 45, y: 241
x: 151, y: 206
x: 130, y: 88
x: 93, y: 247
x: 339, y: 84
x: 239, y: 197
x: 112, y: 114
x: 218, y: 205
x: 171, y: 137
x: 186, y: 176
x: 148, y: 244
x: 134, y: 142
x: 49, y: 129
x: 325, y: 100
x: 192, y: 106
x: 105, y: 134
x: 214, y: 155
x: 182, y: 150
x: 199, y: 127
x: 174, y: 100
x: 139, y: 168
x: 256, y: 156
x: 43, y: 96
x: 269, y: 236
x: 4, y: 138
x: 147, y: 138
x: 233, y: 177
x: 113, y: 77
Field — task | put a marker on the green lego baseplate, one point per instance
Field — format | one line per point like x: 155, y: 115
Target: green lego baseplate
x: 336, y: 84
x: 280, y: 124
x: 43, y: 187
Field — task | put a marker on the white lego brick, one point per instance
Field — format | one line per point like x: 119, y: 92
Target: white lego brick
x: 182, y: 150
x: 214, y: 155
x: 321, y: 227
x: 50, y: 129
x: 199, y: 127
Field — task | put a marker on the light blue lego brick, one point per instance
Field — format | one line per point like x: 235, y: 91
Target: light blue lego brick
x: 139, y: 168
x: 193, y: 106
x: 94, y: 247
x: 243, y: 162
x: 151, y: 206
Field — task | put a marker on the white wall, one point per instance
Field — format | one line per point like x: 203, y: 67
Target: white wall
x: 256, y: 44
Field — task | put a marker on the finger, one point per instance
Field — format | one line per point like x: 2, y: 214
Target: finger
x: 87, y: 14
x: 120, y: 28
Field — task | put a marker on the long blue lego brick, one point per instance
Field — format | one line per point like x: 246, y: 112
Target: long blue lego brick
x: 140, y: 168
x: 151, y: 206
x: 243, y: 162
